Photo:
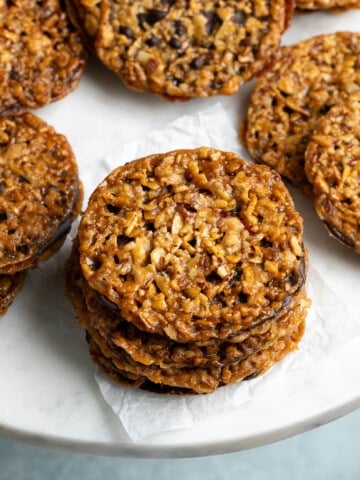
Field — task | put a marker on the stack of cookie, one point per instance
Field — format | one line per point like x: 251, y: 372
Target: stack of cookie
x: 180, y: 49
x: 314, y: 81
x: 42, y: 59
x: 188, y: 271
x: 40, y: 195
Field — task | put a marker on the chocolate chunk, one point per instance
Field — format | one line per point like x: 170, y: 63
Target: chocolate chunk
x: 197, y: 62
x: 180, y: 29
x: 175, y: 43
x: 153, y: 41
x: 151, y: 17
x: 239, y: 17
x: 127, y: 31
x: 213, y: 21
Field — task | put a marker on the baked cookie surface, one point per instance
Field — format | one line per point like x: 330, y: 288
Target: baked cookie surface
x: 193, y: 244
x: 332, y: 163
x: 179, y: 49
x: 40, y: 193
x: 287, y: 102
x: 42, y: 57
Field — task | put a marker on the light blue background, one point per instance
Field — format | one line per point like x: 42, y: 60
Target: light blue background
x: 331, y: 452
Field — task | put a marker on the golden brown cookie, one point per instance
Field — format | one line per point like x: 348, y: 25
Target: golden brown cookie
x: 332, y: 164
x: 179, y: 49
x: 193, y: 244
x: 40, y: 193
x: 290, y: 98
x: 42, y: 57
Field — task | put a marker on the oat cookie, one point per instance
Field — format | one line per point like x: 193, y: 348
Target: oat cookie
x: 180, y: 49
x: 41, y: 56
x: 287, y: 102
x: 193, y: 244
x: 326, y: 4
x: 332, y: 163
x: 39, y: 191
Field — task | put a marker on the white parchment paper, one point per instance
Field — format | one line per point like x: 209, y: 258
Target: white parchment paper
x: 330, y: 322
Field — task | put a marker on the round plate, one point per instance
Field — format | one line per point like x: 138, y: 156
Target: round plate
x: 48, y: 392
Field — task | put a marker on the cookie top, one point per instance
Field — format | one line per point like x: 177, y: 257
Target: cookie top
x: 193, y: 244
x: 333, y: 167
x: 41, y: 56
x: 39, y: 190
x: 326, y: 4
x: 179, y: 49
x: 287, y: 102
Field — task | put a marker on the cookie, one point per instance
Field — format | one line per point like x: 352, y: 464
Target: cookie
x: 40, y: 193
x: 332, y: 164
x: 42, y: 57
x: 326, y: 4
x: 193, y: 244
x: 180, y: 50
x: 290, y: 98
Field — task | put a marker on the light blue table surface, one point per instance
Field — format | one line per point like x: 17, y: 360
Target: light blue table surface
x: 331, y: 452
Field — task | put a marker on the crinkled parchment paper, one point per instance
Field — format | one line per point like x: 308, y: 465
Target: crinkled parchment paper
x: 330, y: 321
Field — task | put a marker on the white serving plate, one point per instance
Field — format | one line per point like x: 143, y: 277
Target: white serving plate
x: 48, y: 391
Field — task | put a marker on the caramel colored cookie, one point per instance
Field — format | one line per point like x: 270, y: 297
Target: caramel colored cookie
x: 289, y: 99
x: 41, y: 56
x: 40, y: 193
x: 193, y: 244
x: 326, y: 4
x: 179, y: 49
x: 333, y: 168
